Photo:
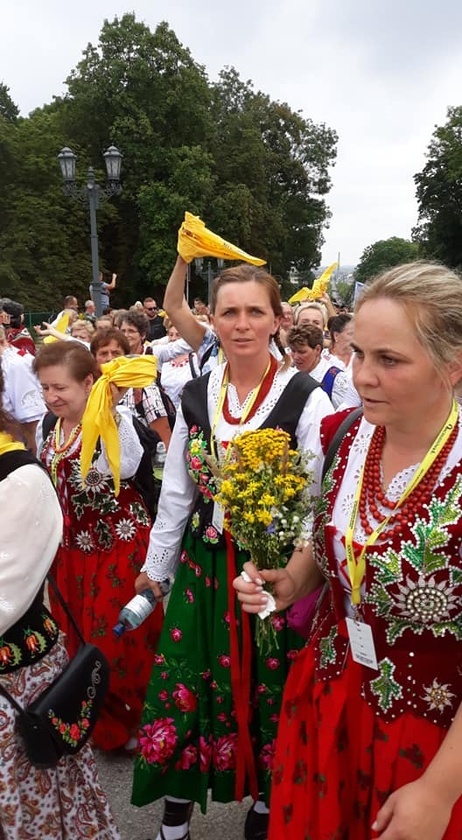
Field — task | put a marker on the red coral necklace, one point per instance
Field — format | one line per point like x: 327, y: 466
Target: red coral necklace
x: 372, y: 492
x: 263, y: 390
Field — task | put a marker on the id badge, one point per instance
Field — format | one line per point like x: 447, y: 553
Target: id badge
x: 362, y: 643
x: 218, y: 517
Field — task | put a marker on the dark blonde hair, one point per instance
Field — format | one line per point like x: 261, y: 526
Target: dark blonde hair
x: 431, y: 296
x: 245, y: 273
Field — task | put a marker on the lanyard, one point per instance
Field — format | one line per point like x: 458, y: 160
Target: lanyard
x: 357, y: 566
x: 221, y: 400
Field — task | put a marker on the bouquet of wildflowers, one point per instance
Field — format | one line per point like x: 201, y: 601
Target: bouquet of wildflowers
x: 263, y: 487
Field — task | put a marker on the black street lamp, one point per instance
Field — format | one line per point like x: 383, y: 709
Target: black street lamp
x: 94, y: 194
x: 209, y: 273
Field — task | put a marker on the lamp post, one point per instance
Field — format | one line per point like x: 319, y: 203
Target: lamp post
x: 94, y: 194
x: 209, y: 274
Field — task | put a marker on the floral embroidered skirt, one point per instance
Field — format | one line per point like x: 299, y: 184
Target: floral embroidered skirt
x: 65, y: 803
x: 188, y: 737
x: 96, y: 586
x: 337, y: 761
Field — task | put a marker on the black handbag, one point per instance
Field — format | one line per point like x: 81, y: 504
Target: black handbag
x: 60, y: 721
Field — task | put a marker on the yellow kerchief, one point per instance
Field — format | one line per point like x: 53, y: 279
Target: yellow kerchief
x: 61, y: 327
x: 195, y: 240
x: 98, y: 420
x: 8, y: 443
x: 319, y: 287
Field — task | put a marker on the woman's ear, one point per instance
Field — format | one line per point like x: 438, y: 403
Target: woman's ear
x: 88, y: 383
x: 455, y: 369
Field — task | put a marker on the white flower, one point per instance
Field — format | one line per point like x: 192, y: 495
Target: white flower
x: 425, y: 600
x: 125, y: 529
x: 438, y: 696
x: 95, y: 481
x: 84, y: 541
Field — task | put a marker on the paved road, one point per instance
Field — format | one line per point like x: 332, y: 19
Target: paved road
x: 222, y: 822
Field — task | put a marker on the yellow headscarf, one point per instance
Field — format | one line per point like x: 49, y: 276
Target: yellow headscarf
x: 195, y: 240
x: 98, y: 420
x: 8, y: 443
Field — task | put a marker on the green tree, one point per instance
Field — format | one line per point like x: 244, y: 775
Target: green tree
x: 384, y: 254
x: 439, y: 194
x: 42, y: 255
x: 8, y: 110
x: 144, y: 92
x: 272, y: 169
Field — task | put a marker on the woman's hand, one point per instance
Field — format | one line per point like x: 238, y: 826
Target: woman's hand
x: 252, y: 595
x: 143, y: 582
x: 413, y: 812
x: 117, y: 394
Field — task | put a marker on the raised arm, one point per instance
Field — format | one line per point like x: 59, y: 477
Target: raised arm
x: 176, y: 306
x: 112, y: 284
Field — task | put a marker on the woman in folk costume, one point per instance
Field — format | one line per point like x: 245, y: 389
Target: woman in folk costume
x: 106, y: 528
x: 370, y: 733
x: 65, y: 802
x: 201, y: 728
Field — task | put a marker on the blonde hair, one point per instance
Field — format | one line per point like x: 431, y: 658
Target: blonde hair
x: 431, y: 295
x: 312, y: 305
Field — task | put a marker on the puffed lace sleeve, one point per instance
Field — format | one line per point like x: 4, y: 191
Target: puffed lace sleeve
x: 131, y: 450
x: 176, y: 502
x: 26, y: 553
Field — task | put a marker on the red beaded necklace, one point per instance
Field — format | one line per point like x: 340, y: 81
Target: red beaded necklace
x: 263, y: 391
x: 372, y: 492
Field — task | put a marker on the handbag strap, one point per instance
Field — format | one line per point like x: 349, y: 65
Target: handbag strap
x: 337, y: 439
x: 65, y: 607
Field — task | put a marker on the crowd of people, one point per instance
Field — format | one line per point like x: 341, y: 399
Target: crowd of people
x: 352, y: 733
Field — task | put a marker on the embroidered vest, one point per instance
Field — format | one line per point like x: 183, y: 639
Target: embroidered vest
x: 285, y: 415
x: 412, y: 601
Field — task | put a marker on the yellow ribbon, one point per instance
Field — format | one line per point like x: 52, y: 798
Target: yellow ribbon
x: 61, y: 327
x: 8, y: 443
x: 195, y: 240
x: 319, y: 287
x: 357, y: 567
x: 98, y: 420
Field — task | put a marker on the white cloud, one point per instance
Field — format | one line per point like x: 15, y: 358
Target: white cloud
x: 381, y: 74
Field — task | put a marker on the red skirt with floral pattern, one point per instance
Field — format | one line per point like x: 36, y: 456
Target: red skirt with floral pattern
x: 337, y: 761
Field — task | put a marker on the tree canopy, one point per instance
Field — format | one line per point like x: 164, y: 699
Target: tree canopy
x: 439, y: 194
x: 254, y: 169
x: 384, y: 254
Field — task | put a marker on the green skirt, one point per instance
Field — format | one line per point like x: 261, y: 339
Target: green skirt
x: 188, y: 736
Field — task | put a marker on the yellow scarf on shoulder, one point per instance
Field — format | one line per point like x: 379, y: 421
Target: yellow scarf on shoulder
x: 98, y: 420
x: 8, y: 443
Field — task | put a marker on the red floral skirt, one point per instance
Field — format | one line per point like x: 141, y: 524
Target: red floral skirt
x: 337, y: 761
x: 96, y: 586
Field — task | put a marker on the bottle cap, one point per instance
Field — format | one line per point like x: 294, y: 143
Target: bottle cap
x: 119, y: 629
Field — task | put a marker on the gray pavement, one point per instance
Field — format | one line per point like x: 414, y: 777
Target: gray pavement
x: 223, y: 822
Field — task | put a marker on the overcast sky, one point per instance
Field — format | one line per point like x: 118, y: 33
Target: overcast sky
x: 381, y: 72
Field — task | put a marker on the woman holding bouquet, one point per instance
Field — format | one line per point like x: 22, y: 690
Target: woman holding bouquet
x: 370, y: 732
x: 212, y: 707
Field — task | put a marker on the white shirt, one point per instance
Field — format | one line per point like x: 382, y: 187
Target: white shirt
x: 179, y: 492
x: 340, y: 381
x: 31, y: 527
x: 22, y: 396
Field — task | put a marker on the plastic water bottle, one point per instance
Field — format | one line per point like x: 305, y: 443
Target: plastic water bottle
x: 161, y: 454
x: 142, y: 605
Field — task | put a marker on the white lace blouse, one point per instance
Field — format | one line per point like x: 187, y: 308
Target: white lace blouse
x: 179, y: 492
x: 26, y: 496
